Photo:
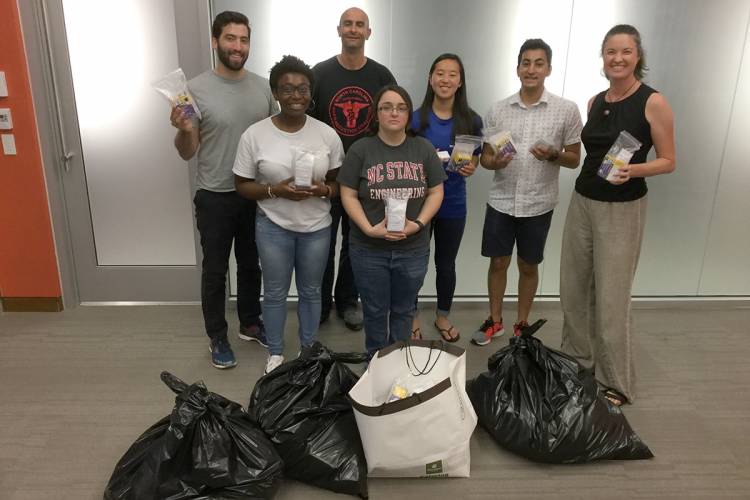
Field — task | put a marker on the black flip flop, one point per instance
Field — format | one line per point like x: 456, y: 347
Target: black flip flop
x: 445, y: 333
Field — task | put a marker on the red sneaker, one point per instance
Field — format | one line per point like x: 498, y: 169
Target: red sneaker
x: 488, y: 331
x: 518, y: 327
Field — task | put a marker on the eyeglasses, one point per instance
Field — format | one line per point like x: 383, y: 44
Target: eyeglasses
x: 289, y: 90
x: 388, y: 108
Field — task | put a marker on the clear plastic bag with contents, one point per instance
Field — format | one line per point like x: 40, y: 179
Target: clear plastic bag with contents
x: 403, y: 387
x: 543, y: 145
x: 500, y: 140
x: 463, y: 151
x: 619, y: 155
x: 173, y: 86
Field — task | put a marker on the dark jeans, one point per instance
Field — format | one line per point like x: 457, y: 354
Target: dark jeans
x: 389, y: 281
x: 223, y: 218
x: 345, y: 293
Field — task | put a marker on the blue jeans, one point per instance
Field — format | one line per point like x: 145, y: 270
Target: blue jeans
x: 388, y: 282
x: 282, y: 251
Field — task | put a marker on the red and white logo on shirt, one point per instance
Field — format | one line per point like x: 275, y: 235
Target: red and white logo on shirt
x: 351, y: 111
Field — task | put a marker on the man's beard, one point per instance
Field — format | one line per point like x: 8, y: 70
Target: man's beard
x: 226, y: 61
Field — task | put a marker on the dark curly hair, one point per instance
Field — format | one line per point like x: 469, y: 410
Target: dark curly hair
x: 290, y: 64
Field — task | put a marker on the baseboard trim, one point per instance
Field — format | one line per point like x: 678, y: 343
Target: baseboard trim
x: 31, y: 304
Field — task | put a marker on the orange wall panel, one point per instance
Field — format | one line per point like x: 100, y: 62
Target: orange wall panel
x: 28, y: 264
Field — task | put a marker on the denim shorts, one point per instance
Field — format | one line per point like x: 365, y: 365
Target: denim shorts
x: 502, y: 231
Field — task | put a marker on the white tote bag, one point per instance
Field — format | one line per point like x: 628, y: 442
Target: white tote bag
x: 423, y: 435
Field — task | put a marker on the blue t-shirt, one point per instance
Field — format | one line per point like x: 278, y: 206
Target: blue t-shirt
x: 439, y: 132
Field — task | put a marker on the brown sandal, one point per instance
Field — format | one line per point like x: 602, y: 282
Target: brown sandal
x: 615, y: 397
x: 416, y: 334
x: 446, y: 335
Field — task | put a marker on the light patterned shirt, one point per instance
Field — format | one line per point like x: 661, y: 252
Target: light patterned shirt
x: 528, y: 187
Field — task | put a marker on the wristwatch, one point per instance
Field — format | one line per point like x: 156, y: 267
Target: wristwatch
x: 555, y: 155
x: 419, y: 223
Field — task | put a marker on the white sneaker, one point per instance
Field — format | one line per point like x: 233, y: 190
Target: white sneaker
x: 274, y: 361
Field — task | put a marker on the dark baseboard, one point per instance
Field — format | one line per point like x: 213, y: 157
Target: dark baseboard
x: 31, y: 304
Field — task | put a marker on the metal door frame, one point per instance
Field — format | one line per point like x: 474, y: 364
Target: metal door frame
x: 51, y: 81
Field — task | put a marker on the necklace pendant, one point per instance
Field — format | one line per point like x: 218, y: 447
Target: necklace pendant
x: 606, y: 112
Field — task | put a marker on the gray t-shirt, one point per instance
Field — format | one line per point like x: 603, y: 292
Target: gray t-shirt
x: 228, y: 108
x: 378, y: 171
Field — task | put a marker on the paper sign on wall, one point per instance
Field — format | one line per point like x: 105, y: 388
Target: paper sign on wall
x: 9, y: 144
x: 6, y: 120
x: 3, y: 85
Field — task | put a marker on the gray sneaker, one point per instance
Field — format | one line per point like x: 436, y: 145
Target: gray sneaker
x: 352, y: 318
x: 489, y: 330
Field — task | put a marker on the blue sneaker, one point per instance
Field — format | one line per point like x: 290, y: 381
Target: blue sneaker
x: 221, y: 354
x: 254, y: 333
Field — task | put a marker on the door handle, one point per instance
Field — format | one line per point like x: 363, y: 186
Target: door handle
x: 66, y: 160
x: 68, y: 155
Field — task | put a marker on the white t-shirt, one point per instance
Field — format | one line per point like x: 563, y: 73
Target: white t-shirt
x: 265, y: 154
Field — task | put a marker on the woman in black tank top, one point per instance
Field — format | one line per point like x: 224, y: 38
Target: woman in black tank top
x: 605, y: 221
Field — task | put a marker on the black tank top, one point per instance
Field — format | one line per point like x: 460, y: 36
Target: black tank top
x: 604, y: 123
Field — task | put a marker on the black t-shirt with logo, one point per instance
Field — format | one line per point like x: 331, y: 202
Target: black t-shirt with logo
x: 343, y: 98
x: 378, y: 171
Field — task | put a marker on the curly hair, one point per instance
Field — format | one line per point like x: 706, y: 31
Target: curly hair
x: 290, y: 64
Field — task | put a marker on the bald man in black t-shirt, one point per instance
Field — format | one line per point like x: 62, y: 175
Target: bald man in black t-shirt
x: 344, y: 89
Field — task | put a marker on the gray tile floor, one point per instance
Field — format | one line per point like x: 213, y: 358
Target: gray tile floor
x: 77, y: 388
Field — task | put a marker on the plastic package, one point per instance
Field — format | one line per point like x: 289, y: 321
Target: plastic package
x: 444, y: 155
x: 173, y: 86
x: 404, y: 387
x: 500, y: 140
x: 463, y: 151
x: 207, y: 448
x: 303, y: 165
x: 395, y: 213
x: 542, y: 144
x: 619, y: 155
x: 303, y: 409
x: 541, y: 404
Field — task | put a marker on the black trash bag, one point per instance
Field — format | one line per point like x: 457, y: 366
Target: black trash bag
x: 303, y: 408
x: 542, y: 404
x: 208, y: 448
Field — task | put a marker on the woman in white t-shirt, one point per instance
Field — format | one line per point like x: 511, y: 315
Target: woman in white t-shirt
x: 288, y: 163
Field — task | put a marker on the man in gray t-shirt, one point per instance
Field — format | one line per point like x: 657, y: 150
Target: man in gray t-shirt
x: 230, y: 99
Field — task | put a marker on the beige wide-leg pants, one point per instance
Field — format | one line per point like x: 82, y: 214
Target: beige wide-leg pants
x: 600, y: 249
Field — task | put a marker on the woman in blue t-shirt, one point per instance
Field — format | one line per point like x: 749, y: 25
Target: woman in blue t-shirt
x: 444, y: 114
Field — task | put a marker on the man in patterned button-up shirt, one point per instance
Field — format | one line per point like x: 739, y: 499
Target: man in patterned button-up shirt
x: 546, y: 133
